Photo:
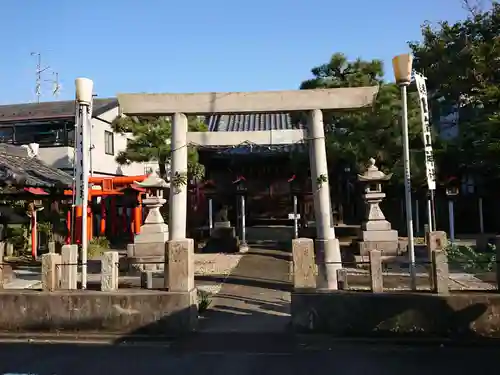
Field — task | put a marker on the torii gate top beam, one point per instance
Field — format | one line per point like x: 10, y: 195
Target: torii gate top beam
x: 245, y: 102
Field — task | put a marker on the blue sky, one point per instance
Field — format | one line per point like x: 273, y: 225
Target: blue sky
x: 198, y: 45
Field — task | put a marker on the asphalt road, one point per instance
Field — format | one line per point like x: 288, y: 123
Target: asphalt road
x: 339, y: 358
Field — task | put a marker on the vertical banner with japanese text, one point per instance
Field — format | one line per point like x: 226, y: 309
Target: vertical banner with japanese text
x: 78, y: 173
x: 426, y: 131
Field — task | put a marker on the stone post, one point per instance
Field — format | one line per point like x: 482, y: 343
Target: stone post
x: 327, y: 246
x: 376, y: 276
x: 497, y: 245
x: 435, y: 240
x: 9, y: 249
x: 52, y: 247
x: 69, y: 267
x: 440, y: 272
x: 497, y: 268
x: 179, y: 275
x: 342, y: 279
x: 147, y: 280
x: 50, y: 264
x: 109, y: 271
x: 304, y: 265
x: 178, y: 194
x: 2, y: 268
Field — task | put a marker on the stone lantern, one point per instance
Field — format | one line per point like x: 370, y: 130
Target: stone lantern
x: 149, y: 244
x: 376, y: 232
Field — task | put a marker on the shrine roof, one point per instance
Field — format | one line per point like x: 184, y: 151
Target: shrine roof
x: 17, y: 167
x: 254, y: 122
x: 251, y: 122
x: 50, y: 110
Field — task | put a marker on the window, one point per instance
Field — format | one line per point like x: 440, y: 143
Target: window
x: 109, y: 143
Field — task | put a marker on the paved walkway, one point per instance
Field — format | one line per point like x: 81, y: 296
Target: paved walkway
x: 255, y: 297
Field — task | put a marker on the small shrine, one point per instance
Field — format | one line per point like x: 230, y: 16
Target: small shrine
x: 376, y: 232
x: 149, y: 244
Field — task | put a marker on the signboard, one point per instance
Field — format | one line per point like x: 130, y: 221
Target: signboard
x: 426, y: 131
x: 82, y: 155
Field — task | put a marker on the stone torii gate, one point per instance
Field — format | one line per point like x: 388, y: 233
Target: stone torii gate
x: 312, y: 101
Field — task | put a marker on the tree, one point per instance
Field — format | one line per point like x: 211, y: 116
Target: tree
x: 352, y: 138
x: 151, y: 142
x: 462, y: 64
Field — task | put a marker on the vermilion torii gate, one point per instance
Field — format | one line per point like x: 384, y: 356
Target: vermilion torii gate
x: 311, y: 101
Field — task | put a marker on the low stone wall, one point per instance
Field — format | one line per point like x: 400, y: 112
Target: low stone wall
x: 343, y: 313
x: 125, y: 313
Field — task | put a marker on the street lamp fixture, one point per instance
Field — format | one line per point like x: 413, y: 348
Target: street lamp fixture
x: 84, y: 88
x: 402, y: 66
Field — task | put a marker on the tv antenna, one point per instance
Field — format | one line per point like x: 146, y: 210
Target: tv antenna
x: 38, y: 74
x: 56, y: 86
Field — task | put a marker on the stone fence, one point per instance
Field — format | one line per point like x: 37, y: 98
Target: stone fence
x: 59, y: 307
x: 305, y: 272
x: 60, y: 271
x: 438, y: 314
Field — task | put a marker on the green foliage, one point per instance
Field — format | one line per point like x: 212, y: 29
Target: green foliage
x: 46, y: 228
x: 150, y: 141
x: 179, y: 179
x: 204, y: 301
x: 470, y: 260
x: 97, y: 246
x: 461, y: 61
x: 321, y: 179
x: 353, y: 138
x: 18, y: 236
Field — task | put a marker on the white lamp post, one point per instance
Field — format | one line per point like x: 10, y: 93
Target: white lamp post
x: 402, y: 65
x: 84, y: 88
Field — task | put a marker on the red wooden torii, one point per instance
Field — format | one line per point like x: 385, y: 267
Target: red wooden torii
x: 107, y: 187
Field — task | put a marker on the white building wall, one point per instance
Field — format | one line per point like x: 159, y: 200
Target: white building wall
x: 102, y: 163
x: 57, y: 157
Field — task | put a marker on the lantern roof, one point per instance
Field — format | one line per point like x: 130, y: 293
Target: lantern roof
x: 372, y: 173
x: 153, y: 181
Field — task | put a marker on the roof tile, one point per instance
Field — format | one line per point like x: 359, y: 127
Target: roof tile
x: 16, y: 165
x: 50, y: 110
x: 254, y: 122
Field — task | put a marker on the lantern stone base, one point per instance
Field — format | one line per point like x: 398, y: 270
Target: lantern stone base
x: 385, y: 241
x: 143, y: 257
x: 152, y: 233
x: 223, y: 239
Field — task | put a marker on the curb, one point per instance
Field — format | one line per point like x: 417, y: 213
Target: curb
x: 318, y: 339
x: 304, y: 341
